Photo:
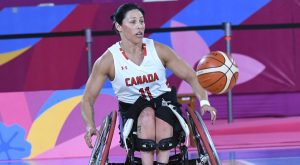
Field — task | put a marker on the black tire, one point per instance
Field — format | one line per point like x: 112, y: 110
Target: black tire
x: 205, y: 146
x: 104, y: 138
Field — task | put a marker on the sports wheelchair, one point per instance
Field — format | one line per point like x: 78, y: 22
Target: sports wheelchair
x: 206, y: 152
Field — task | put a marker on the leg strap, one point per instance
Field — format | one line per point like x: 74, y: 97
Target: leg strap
x: 167, y: 144
x: 145, y: 144
x: 158, y: 163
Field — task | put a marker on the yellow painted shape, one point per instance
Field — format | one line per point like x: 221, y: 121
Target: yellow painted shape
x: 6, y: 57
x: 45, y: 130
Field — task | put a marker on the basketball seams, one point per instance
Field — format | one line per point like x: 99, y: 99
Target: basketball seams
x: 217, y: 72
x: 209, y: 57
x: 227, y: 62
x: 230, y: 62
x: 229, y: 76
x: 223, y: 69
x: 212, y: 57
x: 234, y: 70
x: 213, y: 83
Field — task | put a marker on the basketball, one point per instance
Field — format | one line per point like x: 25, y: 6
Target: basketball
x: 217, y: 73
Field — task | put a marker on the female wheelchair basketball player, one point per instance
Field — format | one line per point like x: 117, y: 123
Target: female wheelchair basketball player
x: 136, y: 67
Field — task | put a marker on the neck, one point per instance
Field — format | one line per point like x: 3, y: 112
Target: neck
x: 131, y: 47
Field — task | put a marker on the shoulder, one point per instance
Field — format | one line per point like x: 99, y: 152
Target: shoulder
x: 105, y: 57
x: 164, y: 52
x: 104, y: 62
x: 162, y: 48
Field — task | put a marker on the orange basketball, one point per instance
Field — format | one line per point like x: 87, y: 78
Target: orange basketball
x: 217, y: 73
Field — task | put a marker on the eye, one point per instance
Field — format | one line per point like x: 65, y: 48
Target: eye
x: 132, y: 21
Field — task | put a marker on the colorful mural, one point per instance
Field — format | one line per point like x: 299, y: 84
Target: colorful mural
x: 37, y: 124
x: 30, y: 61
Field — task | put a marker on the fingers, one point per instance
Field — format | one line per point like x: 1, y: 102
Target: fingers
x: 213, y: 116
x: 88, y: 137
x: 88, y: 140
x: 202, y: 111
x: 213, y: 113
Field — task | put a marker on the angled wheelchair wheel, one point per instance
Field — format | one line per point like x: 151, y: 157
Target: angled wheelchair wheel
x: 207, y: 154
x: 104, y: 138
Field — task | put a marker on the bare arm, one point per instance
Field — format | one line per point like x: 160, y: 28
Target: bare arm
x: 101, y: 71
x: 182, y: 70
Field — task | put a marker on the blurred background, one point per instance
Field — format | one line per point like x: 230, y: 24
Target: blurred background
x: 44, y: 65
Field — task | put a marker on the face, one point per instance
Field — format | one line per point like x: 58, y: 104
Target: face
x: 133, y: 26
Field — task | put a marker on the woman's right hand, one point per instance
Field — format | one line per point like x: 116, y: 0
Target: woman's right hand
x: 90, y: 132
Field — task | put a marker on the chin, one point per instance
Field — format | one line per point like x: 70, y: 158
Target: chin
x: 138, y: 40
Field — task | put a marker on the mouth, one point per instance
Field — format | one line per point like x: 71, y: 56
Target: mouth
x: 140, y: 34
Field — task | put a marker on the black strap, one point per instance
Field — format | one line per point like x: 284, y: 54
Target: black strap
x: 167, y: 143
x: 145, y: 144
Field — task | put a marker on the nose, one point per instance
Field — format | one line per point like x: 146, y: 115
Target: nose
x: 140, y: 25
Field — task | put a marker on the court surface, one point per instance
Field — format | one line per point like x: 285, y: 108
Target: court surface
x: 253, y: 141
x: 277, y: 156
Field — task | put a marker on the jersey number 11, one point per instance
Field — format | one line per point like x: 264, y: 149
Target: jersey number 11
x: 146, y: 91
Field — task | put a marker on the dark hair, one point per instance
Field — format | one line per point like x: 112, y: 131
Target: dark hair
x: 121, y: 11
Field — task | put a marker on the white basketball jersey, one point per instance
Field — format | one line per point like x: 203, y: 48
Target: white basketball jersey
x: 132, y: 81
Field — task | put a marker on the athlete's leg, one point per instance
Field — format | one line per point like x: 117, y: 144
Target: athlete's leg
x: 146, y: 130
x: 163, y: 130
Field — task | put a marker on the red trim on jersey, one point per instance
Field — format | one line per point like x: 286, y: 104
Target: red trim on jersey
x: 124, y: 54
x: 144, y: 51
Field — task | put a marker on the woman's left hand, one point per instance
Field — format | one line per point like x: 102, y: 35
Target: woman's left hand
x: 212, y: 110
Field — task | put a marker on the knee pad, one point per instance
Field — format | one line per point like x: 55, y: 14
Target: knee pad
x: 167, y: 144
x: 145, y: 144
x: 158, y: 163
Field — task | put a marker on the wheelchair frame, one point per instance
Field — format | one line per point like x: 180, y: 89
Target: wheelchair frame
x: 207, y: 154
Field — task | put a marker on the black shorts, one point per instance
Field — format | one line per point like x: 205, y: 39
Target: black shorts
x: 133, y: 110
